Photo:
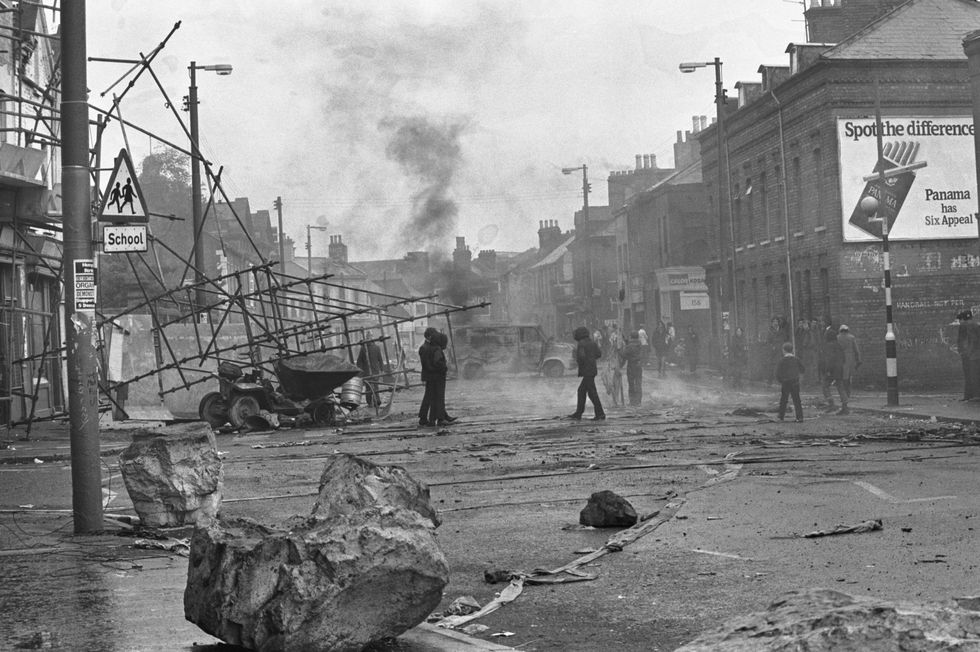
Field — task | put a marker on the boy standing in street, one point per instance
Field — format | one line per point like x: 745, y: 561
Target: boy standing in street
x: 788, y: 372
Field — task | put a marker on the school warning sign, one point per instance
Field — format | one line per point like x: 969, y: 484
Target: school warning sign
x: 934, y: 197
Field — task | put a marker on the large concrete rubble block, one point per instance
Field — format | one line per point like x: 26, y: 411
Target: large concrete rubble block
x: 823, y: 620
x: 607, y: 509
x: 173, y: 477
x: 350, y: 483
x: 337, y: 580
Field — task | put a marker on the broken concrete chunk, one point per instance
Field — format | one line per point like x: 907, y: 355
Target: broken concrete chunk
x: 607, y: 509
x: 336, y: 583
x: 350, y: 483
x: 173, y: 478
x: 823, y: 620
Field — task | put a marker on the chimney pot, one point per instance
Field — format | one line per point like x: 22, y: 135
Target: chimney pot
x: 639, y: 161
x: 680, y: 136
x: 697, y: 123
x: 653, y: 160
x: 704, y: 121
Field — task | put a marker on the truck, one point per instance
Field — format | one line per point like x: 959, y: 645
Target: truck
x: 481, y: 349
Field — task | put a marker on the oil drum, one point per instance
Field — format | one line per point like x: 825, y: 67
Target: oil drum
x: 352, y: 392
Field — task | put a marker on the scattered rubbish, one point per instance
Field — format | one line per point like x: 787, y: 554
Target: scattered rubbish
x: 931, y: 561
x: 906, y: 529
x: 864, y: 526
x: 681, y: 517
x: 474, y: 629
x: 584, y: 551
x: 181, y: 547
x: 503, y: 634
x: 648, y: 516
x: 747, y: 412
x: 286, y: 444
x: 727, y: 555
x: 38, y: 460
x: 713, y: 518
x: 970, y: 603
x: 463, y: 605
x: 608, y: 509
x: 28, y: 506
x: 509, y: 594
x: 499, y: 576
x: 576, y: 526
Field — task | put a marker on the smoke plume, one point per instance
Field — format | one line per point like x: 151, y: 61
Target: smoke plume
x: 431, y: 154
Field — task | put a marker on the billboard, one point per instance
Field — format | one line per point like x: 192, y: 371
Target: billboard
x: 934, y: 198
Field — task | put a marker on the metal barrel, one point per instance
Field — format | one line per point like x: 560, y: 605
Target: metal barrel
x: 352, y: 392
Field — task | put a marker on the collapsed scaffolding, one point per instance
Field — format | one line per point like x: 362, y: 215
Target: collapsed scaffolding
x: 157, y: 355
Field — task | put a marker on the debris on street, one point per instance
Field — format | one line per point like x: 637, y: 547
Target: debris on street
x: 174, y: 477
x: 863, y: 526
x: 181, y: 547
x: 364, y: 566
x: 607, y: 509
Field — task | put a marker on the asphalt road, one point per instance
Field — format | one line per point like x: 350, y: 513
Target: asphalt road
x: 511, y: 475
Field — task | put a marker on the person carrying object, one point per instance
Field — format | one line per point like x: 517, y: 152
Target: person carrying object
x: 587, y: 354
x: 788, y: 372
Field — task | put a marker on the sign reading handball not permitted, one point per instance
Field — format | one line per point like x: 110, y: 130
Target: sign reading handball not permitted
x: 933, y: 200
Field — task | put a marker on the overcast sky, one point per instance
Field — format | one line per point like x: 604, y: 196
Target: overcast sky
x: 401, y: 125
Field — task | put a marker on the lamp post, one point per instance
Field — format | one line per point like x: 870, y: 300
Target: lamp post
x: 309, y: 247
x: 723, y: 192
x: 196, y: 209
x: 585, y: 226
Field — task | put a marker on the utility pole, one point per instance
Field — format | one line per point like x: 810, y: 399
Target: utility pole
x: 79, y: 269
x: 282, y: 246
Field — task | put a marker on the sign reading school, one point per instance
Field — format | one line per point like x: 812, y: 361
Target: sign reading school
x: 930, y: 193
x: 122, y: 198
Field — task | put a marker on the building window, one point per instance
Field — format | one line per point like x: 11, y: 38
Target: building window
x: 818, y: 208
x: 807, y: 295
x: 770, y: 304
x: 764, y: 202
x: 736, y: 216
x: 797, y: 195
x: 825, y: 292
x: 749, y: 210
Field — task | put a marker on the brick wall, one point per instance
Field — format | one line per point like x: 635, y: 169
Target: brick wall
x: 831, y: 279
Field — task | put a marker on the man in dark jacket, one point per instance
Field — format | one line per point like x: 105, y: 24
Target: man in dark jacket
x: 788, y: 373
x: 371, y: 363
x: 426, y: 373
x: 633, y: 354
x: 586, y: 354
x: 830, y: 368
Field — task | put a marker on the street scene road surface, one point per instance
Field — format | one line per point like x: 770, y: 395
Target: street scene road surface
x: 742, y: 509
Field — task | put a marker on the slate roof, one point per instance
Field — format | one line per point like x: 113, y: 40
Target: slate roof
x: 918, y: 30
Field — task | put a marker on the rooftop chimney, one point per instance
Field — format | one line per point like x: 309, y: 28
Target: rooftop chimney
x: 639, y: 162
x: 704, y: 122
x: 337, y: 250
x: 461, y: 255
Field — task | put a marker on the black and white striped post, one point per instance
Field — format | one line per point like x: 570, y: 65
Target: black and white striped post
x: 870, y: 206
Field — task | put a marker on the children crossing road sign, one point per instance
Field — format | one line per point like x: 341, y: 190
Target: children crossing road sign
x: 122, y: 197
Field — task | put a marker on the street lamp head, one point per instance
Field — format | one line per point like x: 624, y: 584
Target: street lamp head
x: 869, y: 205
x: 691, y: 66
x: 220, y: 68
x: 570, y: 170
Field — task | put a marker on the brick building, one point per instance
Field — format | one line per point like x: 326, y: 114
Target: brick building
x: 800, y: 144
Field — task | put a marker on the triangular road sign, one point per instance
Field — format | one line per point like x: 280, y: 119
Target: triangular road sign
x: 122, y: 198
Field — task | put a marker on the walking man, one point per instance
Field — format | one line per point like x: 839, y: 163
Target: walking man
x: 632, y: 355
x: 852, y: 355
x: 586, y: 354
x: 788, y: 373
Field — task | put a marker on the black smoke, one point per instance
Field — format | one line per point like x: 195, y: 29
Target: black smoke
x: 431, y: 154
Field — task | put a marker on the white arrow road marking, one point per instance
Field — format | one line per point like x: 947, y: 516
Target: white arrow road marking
x: 887, y: 497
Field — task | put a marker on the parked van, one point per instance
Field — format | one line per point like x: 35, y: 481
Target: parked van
x: 509, y: 348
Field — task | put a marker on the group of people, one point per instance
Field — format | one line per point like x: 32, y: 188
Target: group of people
x: 432, y: 359
x: 838, y: 358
